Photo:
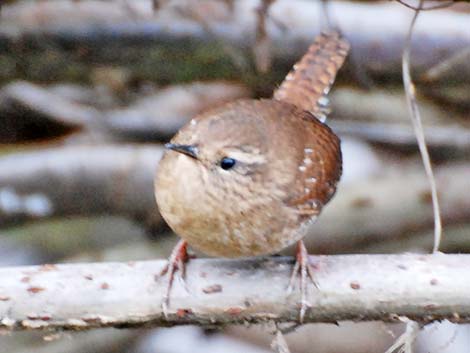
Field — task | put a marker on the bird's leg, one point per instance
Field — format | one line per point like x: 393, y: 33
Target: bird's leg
x: 177, y: 260
x: 303, y: 268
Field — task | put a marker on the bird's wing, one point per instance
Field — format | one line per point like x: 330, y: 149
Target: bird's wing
x: 318, y: 167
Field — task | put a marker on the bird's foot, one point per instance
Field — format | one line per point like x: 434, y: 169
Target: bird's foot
x: 177, y: 260
x: 302, y: 267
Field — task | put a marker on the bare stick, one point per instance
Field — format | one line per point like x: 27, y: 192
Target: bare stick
x: 432, y: 7
x: 114, y: 38
x: 397, y: 134
x: 397, y: 203
x: 423, y: 288
x: 386, y: 208
x: 80, y: 180
x: 155, y: 115
x: 404, y: 343
x: 418, y: 127
x: 279, y: 344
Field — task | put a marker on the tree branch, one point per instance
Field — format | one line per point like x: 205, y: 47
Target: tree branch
x: 80, y: 180
x: 423, y: 288
x: 378, y: 118
x: 118, y: 180
x: 61, y: 41
x: 389, y: 207
x: 153, y: 116
x: 397, y: 134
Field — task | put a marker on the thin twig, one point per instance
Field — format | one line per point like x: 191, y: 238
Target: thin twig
x: 279, y: 344
x: 418, y: 127
x: 404, y: 343
x: 325, y: 16
x: 262, y: 45
x: 433, y: 7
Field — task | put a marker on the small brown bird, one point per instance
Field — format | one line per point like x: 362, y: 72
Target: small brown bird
x: 248, y: 178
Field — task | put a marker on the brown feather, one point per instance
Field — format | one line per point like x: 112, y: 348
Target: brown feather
x: 319, y: 167
x: 307, y: 85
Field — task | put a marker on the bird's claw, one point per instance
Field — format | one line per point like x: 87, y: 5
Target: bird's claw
x: 177, y: 261
x: 305, y: 270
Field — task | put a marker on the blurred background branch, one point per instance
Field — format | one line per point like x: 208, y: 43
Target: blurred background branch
x: 75, y: 181
x: 90, y: 90
x: 72, y: 40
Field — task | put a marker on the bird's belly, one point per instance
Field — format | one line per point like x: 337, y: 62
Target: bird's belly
x: 242, y: 238
x: 225, y: 225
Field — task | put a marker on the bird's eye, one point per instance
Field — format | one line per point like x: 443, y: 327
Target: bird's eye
x: 227, y: 163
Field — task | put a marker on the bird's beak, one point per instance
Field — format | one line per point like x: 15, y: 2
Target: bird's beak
x: 188, y: 150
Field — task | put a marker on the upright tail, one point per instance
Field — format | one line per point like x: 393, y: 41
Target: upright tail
x: 308, y: 83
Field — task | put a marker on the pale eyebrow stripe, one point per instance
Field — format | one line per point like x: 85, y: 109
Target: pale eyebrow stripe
x: 244, y: 149
x: 246, y: 157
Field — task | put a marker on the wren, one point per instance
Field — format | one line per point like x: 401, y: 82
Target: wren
x: 249, y: 178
